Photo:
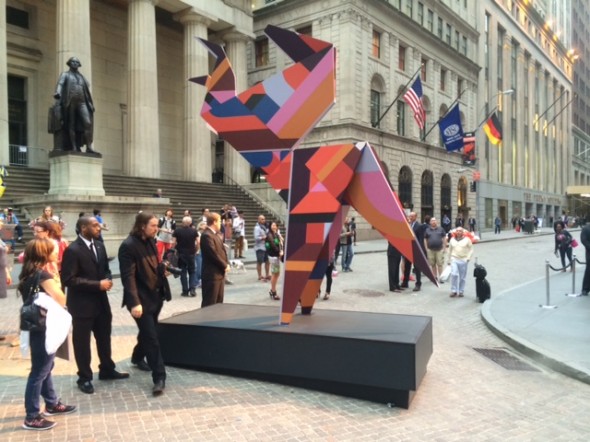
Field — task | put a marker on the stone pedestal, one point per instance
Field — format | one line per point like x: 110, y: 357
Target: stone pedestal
x: 75, y: 173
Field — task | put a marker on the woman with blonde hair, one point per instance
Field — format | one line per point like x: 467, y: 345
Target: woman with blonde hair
x: 38, y: 253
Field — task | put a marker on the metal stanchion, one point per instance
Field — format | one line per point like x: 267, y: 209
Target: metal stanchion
x: 548, y: 305
x: 573, y: 294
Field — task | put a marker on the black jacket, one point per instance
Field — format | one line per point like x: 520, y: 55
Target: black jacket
x: 143, y: 278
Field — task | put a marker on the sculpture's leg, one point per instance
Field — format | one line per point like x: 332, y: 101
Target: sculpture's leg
x: 371, y: 195
x: 319, y: 177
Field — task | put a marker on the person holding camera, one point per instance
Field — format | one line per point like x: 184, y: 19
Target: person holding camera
x: 186, y: 246
x: 145, y: 288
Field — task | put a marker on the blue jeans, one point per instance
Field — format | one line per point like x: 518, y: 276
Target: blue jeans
x: 198, y: 265
x: 347, y: 255
x: 39, y: 382
x: 187, y: 264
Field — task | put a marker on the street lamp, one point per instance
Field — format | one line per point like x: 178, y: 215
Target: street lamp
x: 477, y: 186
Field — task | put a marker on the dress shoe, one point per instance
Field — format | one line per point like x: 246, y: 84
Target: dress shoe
x: 404, y: 286
x: 416, y: 289
x: 184, y: 294
x: 141, y: 365
x: 113, y: 376
x: 86, y: 387
x: 193, y: 293
x: 159, y: 387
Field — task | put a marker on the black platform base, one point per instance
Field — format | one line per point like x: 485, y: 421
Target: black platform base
x: 372, y: 356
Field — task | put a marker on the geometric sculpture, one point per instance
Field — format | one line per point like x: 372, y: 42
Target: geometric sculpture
x: 266, y: 123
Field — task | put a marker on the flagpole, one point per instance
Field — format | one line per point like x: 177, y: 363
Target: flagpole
x: 403, y: 90
x: 438, y: 121
x: 486, y: 118
x: 547, y: 110
x: 562, y: 109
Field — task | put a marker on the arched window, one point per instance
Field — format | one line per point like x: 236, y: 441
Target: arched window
x: 377, y: 96
x: 462, y: 194
x: 427, y: 191
x: 445, y: 192
x: 405, y: 187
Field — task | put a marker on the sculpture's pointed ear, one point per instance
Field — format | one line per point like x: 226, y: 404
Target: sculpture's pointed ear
x: 297, y: 46
x: 200, y: 80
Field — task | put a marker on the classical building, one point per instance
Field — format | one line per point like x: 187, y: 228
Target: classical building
x: 580, y: 34
x: 527, y: 73
x: 495, y: 55
x: 381, y: 47
x: 137, y: 56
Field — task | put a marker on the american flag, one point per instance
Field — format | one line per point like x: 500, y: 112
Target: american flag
x: 413, y: 97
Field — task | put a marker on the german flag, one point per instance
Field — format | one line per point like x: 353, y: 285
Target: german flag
x: 493, y: 129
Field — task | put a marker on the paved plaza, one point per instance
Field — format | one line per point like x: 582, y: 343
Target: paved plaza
x: 464, y: 396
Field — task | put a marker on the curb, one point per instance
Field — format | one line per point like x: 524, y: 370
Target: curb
x: 529, y: 349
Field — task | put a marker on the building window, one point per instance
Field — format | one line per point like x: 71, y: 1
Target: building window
x: 305, y: 30
x: 261, y: 52
x: 401, y: 118
x: 401, y: 59
x: 443, y: 79
x: 457, y: 40
x: 440, y: 28
x: 459, y: 86
x: 423, y: 70
x: 445, y: 192
x: 405, y: 187
x: 410, y: 8
x: 420, y: 17
x: 464, y: 46
x: 17, y: 110
x: 376, y: 44
x: 427, y: 189
x: 448, y: 34
x: 17, y: 17
x: 375, y: 107
x: 430, y: 20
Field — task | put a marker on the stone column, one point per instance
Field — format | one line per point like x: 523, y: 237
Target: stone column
x: 142, y: 153
x: 235, y: 166
x: 197, y: 136
x: 73, y: 35
x: 4, y: 152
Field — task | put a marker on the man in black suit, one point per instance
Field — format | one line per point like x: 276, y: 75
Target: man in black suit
x: 215, y: 263
x: 419, y: 233
x: 86, y: 274
x: 145, y: 288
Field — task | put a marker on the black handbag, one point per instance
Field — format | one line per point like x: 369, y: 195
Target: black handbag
x: 32, y: 317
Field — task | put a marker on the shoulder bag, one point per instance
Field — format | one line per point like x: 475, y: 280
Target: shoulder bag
x: 32, y: 317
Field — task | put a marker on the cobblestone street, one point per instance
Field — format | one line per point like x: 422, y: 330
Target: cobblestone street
x: 463, y: 397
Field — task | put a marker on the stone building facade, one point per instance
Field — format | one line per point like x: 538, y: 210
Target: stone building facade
x: 137, y: 56
x: 492, y: 53
x: 381, y: 46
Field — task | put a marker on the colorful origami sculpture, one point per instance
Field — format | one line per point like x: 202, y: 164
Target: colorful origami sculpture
x: 266, y: 123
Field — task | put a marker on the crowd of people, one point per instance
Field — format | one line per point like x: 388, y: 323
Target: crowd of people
x: 452, y: 248
x: 53, y: 267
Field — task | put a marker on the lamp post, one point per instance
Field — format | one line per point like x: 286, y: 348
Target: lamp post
x: 477, y: 186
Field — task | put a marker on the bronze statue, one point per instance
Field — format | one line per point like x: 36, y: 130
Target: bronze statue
x: 71, y: 118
